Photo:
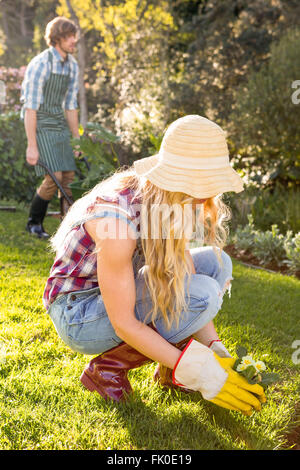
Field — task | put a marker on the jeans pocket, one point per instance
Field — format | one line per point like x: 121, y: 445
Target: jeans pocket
x: 83, y: 308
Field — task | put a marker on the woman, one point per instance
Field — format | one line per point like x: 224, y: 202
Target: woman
x: 125, y: 287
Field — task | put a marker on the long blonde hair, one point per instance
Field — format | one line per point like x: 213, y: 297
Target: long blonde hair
x: 166, y: 268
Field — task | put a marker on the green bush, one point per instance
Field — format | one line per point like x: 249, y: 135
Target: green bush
x: 244, y: 235
x: 279, y: 206
x: 18, y: 180
x: 265, y: 119
x: 270, y: 245
x: 97, y: 147
x: 292, y: 249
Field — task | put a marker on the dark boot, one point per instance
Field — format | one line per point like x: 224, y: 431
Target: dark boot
x: 107, y: 373
x: 37, y: 214
x: 163, y: 375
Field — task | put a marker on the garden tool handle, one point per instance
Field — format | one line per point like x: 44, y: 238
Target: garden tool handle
x: 86, y: 163
x: 43, y: 165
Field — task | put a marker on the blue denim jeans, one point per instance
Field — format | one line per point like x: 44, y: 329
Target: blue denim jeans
x: 82, y: 323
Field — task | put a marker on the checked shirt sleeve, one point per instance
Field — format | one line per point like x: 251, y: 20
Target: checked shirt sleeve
x: 32, y: 87
x: 71, y: 96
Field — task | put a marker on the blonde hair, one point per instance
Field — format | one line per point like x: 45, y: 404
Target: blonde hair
x: 166, y: 267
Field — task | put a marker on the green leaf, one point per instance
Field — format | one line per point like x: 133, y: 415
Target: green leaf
x: 241, y: 351
x: 237, y: 362
x: 101, y: 132
x: 249, y: 372
x: 269, y: 378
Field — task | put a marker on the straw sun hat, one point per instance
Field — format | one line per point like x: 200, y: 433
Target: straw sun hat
x: 193, y: 159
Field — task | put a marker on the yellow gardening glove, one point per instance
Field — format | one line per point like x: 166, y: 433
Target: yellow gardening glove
x: 200, y: 369
x: 237, y: 394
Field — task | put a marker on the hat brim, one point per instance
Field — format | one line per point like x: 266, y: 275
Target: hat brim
x: 196, y: 183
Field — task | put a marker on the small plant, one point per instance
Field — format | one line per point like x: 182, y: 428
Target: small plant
x: 252, y: 370
x: 18, y: 179
x: 292, y: 249
x: 268, y: 246
x: 244, y: 236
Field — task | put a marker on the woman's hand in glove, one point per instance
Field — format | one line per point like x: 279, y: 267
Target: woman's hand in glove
x: 237, y: 394
x: 199, y: 369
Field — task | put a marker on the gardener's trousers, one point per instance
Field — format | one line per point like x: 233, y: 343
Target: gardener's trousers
x: 81, y: 320
x: 48, y: 188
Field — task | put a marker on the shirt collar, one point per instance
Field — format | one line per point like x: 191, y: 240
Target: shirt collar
x: 57, y: 55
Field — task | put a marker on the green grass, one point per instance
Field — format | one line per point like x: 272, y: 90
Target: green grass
x: 44, y: 406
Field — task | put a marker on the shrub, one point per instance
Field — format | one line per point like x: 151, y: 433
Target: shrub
x: 292, y: 249
x: 18, y: 180
x: 244, y: 235
x: 269, y: 245
x: 279, y: 206
x: 265, y: 119
x: 12, y: 79
x: 97, y: 147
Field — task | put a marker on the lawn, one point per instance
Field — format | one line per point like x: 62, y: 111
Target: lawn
x: 44, y: 406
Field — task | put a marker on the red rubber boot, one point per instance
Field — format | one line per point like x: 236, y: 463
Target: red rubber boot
x: 107, y: 373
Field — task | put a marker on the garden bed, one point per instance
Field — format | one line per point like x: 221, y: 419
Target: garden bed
x: 245, y: 256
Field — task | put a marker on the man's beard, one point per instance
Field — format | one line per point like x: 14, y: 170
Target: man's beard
x: 66, y: 51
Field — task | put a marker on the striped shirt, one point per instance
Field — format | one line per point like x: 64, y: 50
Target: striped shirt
x: 75, y: 266
x: 37, y: 73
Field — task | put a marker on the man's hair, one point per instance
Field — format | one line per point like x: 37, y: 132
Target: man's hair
x: 59, y: 27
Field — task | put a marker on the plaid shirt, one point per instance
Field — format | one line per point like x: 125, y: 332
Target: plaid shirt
x: 37, y: 73
x: 75, y: 266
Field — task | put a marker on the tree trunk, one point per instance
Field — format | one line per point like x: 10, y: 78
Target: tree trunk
x: 81, y: 64
x: 23, y: 20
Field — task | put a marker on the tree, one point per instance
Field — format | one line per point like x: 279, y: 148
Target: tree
x: 23, y: 25
x: 265, y: 121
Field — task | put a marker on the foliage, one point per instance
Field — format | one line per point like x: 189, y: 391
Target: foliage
x: 18, y: 181
x: 266, y: 115
x: 155, y: 143
x: 22, y: 24
x: 127, y: 57
x: 149, y: 62
x: 96, y: 145
x: 292, y: 249
x: 268, y: 206
x: 269, y: 245
x: 244, y: 235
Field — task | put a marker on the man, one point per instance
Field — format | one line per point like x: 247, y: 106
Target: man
x: 49, y: 97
